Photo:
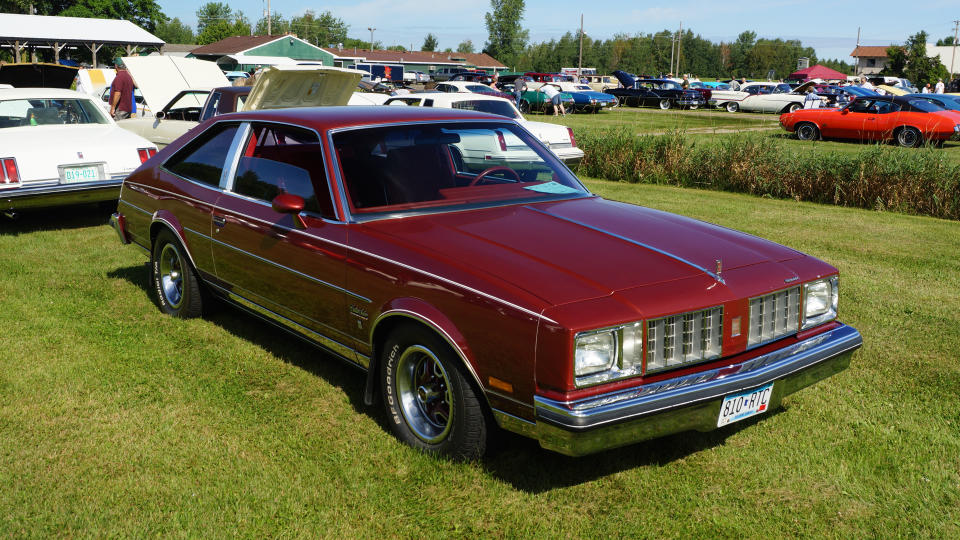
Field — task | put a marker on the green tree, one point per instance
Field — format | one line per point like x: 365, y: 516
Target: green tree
x: 218, y: 29
x: 945, y: 42
x: 144, y: 13
x: 465, y: 46
x: 429, y: 43
x: 507, y: 38
x: 321, y: 30
x: 398, y: 48
x: 212, y: 12
x: 174, y: 31
x: 911, y: 61
x: 278, y: 25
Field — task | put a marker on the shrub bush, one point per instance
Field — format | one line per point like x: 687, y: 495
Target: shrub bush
x: 915, y: 181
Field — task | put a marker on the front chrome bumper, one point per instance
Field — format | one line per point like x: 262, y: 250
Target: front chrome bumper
x: 685, y: 403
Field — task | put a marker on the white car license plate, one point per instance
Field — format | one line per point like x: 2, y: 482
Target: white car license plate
x: 744, y: 405
x: 70, y: 175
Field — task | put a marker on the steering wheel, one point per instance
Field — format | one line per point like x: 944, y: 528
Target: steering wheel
x: 498, y: 168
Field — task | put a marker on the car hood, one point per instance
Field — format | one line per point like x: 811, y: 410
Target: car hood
x: 574, y: 250
x: 160, y: 78
x: 626, y: 79
x: 280, y: 87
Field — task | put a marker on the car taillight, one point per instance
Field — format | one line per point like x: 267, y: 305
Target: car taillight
x: 573, y: 141
x: 151, y: 152
x: 502, y: 141
x: 144, y: 154
x: 9, y: 174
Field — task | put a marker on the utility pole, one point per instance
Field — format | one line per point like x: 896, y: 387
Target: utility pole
x: 856, y: 65
x: 269, y: 19
x: 679, y: 42
x: 956, y: 24
x: 371, y: 29
x: 580, y: 60
x: 673, y: 44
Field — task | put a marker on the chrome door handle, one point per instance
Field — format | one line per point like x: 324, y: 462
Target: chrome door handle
x: 219, y: 221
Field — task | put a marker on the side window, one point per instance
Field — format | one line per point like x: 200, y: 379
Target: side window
x: 210, y: 109
x: 284, y: 159
x: 202, y: 160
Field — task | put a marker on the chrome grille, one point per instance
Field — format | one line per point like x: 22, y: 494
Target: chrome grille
x: 773, y: 316
x: 686, y: 338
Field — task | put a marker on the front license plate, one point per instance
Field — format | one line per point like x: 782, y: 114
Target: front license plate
x: 744, y: 405
x: 70, y: 175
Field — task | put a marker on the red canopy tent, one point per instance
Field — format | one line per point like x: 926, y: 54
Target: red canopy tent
x: 817, y: 72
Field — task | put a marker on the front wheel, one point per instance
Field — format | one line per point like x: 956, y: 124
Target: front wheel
x: 174, y: 279
x: 665, y: 104
x: 429, y: 401
x: 807, y: 131
x: 909, y: 137
x: 693, y: 106
x: 794, y: 107
x: 732, y: 106
x: 524, y: 106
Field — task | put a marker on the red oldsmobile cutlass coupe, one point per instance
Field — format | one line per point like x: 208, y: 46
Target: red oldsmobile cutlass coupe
x: 907, y: 120
x: 457, y: 260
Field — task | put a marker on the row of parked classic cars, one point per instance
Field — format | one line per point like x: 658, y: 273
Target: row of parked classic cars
x: 439, y: 243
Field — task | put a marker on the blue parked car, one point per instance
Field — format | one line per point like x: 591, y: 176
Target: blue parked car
x: 951, y: 103
x: 586, y: 99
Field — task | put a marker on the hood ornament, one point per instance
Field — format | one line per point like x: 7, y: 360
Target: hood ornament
x: 719, y: 269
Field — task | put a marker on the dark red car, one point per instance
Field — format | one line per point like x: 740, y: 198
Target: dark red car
x: 456, y: 259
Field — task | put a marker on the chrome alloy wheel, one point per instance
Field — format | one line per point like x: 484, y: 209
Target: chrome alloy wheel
x: 171, y: 275
x: 423, y: 389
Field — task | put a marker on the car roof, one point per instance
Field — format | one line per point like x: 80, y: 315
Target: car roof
x: 453, y: 97
x: 40, y: 93
x: 326, y: 118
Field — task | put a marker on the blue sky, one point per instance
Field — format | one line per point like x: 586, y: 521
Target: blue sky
x: 829, y: 27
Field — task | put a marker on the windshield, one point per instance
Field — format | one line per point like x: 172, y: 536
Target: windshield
x: 42, y: 112
x: 395, y: 170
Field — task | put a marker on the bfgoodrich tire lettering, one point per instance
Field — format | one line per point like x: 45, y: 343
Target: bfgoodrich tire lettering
x: 173, y: 278
x: 429, y: 401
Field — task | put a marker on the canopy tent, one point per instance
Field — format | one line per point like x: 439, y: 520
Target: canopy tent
x: 27, y: 32
x: 817, y: 72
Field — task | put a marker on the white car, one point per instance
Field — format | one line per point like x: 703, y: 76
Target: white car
x: 767, y: 97
x: 58, y: 147
x: 559, y: 139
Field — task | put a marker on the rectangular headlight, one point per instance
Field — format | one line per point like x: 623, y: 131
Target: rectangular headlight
x: 820, y: 300
x: 595, y: 352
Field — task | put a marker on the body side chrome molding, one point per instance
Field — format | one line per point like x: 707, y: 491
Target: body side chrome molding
x: 348, y: 353
x: 715, y: 276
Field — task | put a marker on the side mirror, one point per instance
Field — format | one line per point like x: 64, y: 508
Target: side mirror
x: 844, y: 110
x: 160, y: 115
x: 288, y: 203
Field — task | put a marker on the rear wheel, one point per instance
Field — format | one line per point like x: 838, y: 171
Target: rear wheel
x: 429, y: 400
x: 909, y: 137
x: 693, y: 106
x: 665, y: 104
x: 174, y: 279
x: 807, y: 131
x: 732, y: 106
x: 524, y: 106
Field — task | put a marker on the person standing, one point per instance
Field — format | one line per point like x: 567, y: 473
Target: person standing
x: 121, y: 93
x: 519, y: 87
x: 926, y: 89
x: 811, y: 100
x: 866, y: 84
x: 939, y: 88
x: 552, y: 93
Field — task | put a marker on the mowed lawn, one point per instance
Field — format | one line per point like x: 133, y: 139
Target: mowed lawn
x: 118, y: 421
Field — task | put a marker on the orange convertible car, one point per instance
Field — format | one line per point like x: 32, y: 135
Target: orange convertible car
x: 908, y: 121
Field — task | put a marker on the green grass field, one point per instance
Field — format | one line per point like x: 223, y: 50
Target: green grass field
x: 118, y: 421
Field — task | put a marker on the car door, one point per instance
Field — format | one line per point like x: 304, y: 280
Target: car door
x: 286, y: 267
x: 884, y: 118
x: 854, y: 121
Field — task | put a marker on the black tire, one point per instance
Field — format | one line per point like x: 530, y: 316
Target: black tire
x: 908, y: 137
x: 524, y: 106
x: 429, y: 400
x: 693, y: 107
x: 807, y: 131
x: 665, y: 104
x: 793, y: 107
x: 174, y: 278
x: 732, y: 106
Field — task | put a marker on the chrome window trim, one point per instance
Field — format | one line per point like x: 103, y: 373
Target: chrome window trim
x: 217, y: 187
x: 233, y: 156
x: 349, y: 217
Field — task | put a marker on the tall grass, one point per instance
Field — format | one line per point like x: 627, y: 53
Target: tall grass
x: 915, y: 181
